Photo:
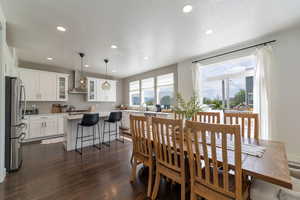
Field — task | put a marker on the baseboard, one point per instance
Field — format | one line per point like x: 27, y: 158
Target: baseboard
x: 294, y: 158
x: 2, y: 175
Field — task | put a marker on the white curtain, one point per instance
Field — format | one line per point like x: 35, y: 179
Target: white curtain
x: 197, y: 81
x: 262, y: 89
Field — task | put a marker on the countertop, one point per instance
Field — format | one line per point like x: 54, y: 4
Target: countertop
x: 146, y: 112
x: 79, y: 116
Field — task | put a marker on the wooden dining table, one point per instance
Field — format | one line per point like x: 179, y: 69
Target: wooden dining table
x: 272, y: 167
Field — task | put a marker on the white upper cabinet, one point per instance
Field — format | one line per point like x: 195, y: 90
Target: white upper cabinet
x: 96, y: 93
x: 30, y: 79
x: 92, y: 89
x: 48, y: 86
x: 44, y: 86
x: 62, y: 87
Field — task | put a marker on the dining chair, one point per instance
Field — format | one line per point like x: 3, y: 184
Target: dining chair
x: 248, y: 121
x: 142, y: 152
x: 204, y: 147
x: 207, y: 117
x: 169, y: 142
x: 178, y: 116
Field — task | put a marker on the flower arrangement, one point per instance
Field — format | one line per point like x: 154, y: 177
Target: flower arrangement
x: 187, y: 108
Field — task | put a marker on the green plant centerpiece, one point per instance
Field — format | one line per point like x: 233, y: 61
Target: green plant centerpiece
x: 187, y: 108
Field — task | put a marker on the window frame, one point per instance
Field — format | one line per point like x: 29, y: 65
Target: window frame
x: 148, y: 88
x: 164, y: 85
x: 133, y: 91
x: 228, y: 77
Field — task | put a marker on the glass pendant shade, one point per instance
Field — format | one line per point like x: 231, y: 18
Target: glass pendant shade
x: 105, y: 85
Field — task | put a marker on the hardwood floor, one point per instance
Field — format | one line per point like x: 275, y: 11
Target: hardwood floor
x: 48, y: 172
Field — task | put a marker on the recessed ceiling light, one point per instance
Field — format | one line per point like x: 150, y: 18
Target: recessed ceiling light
x: 113, y: 71
x: 61, y: 28
x: 113, y: 46
x: 209, y: 31
x: 187, y: 8
x: 146, y: 58
x: 49, y: 58
x: 86, y: 65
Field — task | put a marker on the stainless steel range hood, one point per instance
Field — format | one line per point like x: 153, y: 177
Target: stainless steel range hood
x: 76, y: 84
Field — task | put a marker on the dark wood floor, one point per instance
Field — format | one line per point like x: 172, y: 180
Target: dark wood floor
x: 48, y: 172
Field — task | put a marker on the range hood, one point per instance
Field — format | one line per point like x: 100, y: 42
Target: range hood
x: 76, y: 84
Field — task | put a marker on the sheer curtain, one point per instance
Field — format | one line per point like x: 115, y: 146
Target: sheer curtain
x: 197, y: 81
x: 262, y: 89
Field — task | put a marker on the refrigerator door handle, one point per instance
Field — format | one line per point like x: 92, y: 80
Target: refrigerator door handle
x: 22, y: 137
x: 23, y: 93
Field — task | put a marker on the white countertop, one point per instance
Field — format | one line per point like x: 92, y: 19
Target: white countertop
x: 79, y: 116
x: 146, y: 112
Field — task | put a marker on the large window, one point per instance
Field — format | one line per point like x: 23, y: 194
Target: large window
x: 165, y: 89
x: 134, y: 93
x: 148, y: 92
x: 229, y: 85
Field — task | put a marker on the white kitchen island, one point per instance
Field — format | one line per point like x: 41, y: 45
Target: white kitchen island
x: 70, y: 130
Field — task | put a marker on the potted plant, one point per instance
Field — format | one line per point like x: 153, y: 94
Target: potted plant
x: 187, y: 108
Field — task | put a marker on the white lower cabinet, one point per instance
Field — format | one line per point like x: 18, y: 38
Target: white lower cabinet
x: 44, y: 126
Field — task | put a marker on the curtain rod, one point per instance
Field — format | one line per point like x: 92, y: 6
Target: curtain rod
x: 222, y: 54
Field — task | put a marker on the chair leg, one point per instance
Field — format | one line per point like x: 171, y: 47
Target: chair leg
x: 183, y: 191
x: 109, y: 134
x: 156, y: 185
x: 99, y: 136
x: 76, y: 138
x: 81, y: 138
x: 103, y: 133
x: 133, y: 172
x: 94, y: 132
x: 193, y: 196
x: 150, y: 177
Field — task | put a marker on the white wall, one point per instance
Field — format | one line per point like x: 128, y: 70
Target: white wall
x: 285, y: 85
x: 2, y: 94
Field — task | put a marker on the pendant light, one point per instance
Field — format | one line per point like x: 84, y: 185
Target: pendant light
x: 82, y: 80
x: 105, y: 85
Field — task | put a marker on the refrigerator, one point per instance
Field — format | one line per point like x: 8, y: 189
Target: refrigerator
x: 15, y: 106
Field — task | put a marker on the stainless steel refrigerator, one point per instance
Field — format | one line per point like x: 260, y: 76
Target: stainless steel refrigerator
x: 15, y: 103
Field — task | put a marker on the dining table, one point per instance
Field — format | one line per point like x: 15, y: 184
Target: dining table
x: 271, y: 166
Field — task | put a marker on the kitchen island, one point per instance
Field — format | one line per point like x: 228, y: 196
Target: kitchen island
x: 71, y: 121
x: 70, y: 130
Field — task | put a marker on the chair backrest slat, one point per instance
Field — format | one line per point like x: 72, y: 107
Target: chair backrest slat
x: 248, y: 121
x: 214, y: 152
x: 207, y: 117
x: 141, y: 137
x: 168, y: 140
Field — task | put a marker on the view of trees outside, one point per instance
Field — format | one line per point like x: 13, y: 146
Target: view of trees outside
x: 148, y: 97
x: 135, y: 99
x: 229, y: 85
x: 165, y: 95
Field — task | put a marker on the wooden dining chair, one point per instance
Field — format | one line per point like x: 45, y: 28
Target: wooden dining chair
x: 207, y: 117
x: 204, y: 147
x: 142, y: 148
x: 248, y: 121
x: 178, y: 116
x: 169, y: 152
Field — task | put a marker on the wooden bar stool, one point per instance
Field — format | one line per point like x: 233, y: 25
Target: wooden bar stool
x: 88, y: 120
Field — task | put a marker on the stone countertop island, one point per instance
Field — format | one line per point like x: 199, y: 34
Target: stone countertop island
x: 70, y: 130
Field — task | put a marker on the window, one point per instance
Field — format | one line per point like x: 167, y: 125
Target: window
x: 229, y: 85
x: 134, y: 93
x: 148, y: 91
x: 165, y: 89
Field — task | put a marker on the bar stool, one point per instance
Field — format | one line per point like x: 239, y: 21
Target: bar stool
x: 88, y: 120
x: 114, y: 118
